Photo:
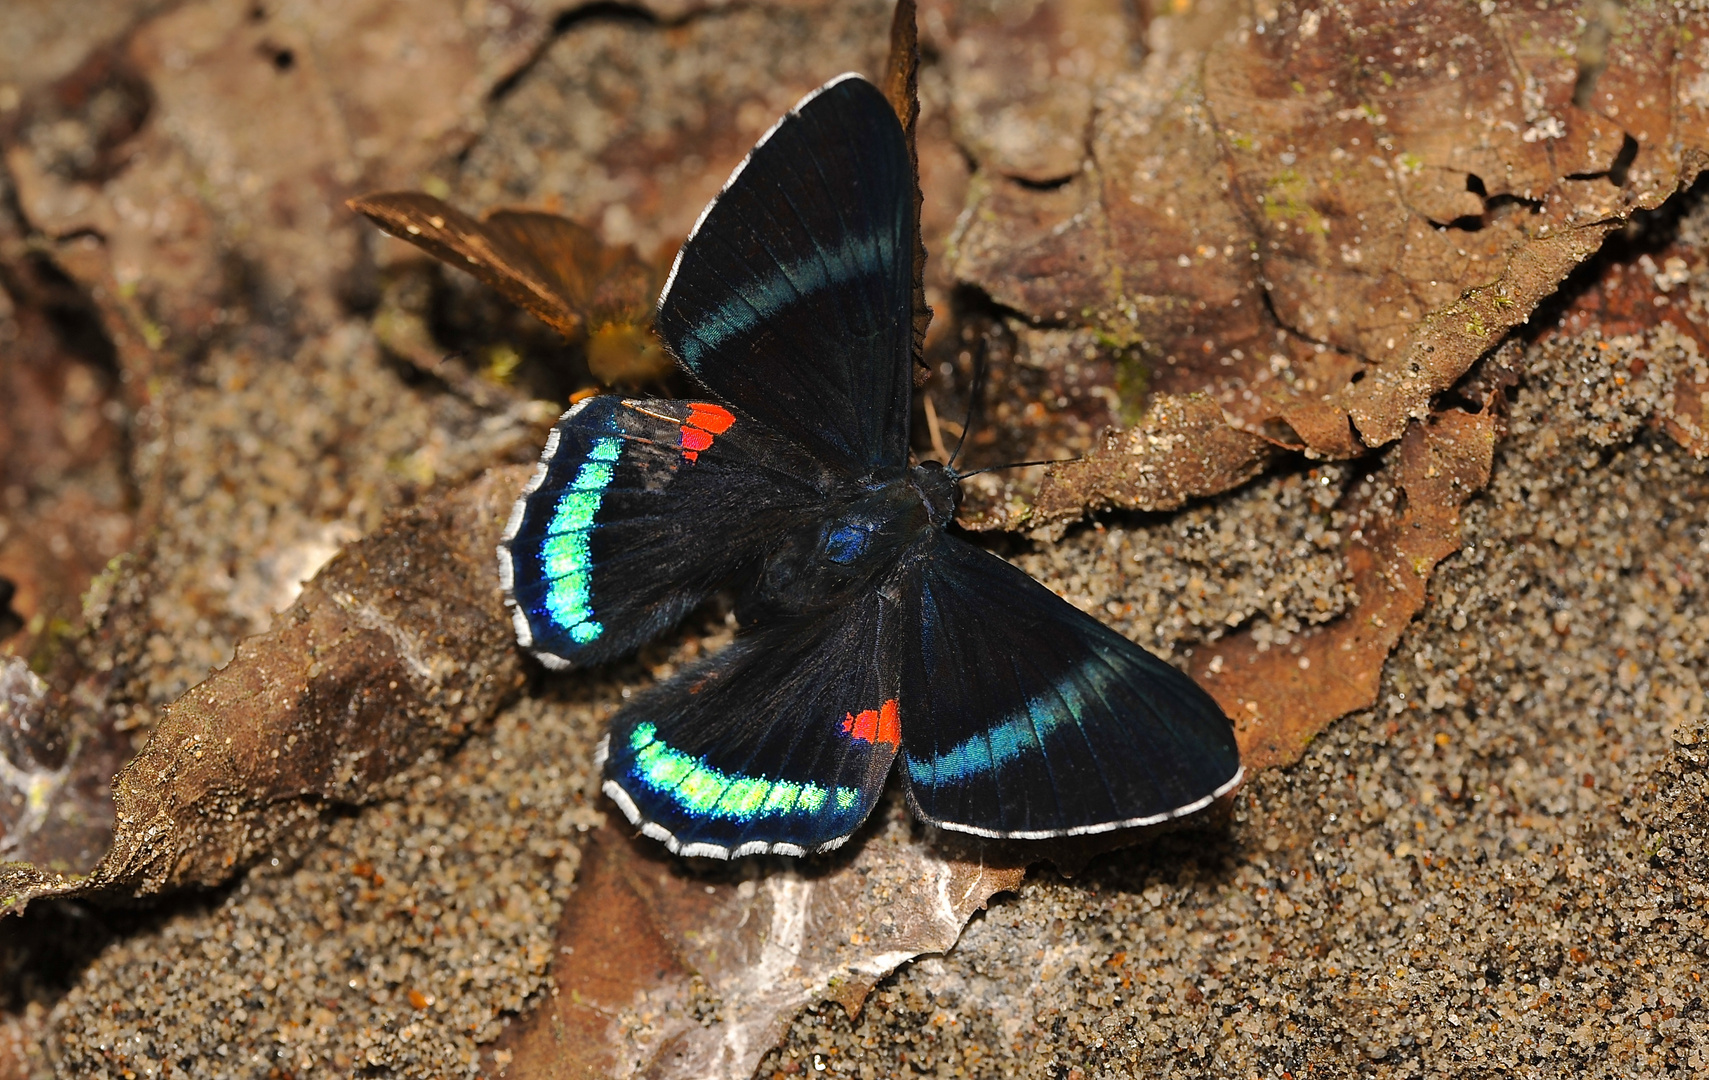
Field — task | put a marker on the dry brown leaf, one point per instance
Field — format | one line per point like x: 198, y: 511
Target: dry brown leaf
x: 1637, y: 293
x: 666, y: 974
x: 143, y: 172
x: 62, y: 457
x: 217, y: 184
x: 1380, y: 211
x: 42, y: 41
x: 1182, y: 449
x: 396, y: 649
x: 1023, y: 77
x: 1280, y: 697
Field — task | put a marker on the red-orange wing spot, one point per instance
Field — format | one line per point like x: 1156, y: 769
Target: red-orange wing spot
x: 710, y: 417
x: 704, y: 421
x: 890, y: 723
x: 880, y: 725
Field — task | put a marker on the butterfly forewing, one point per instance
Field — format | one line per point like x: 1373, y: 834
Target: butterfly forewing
x: 779, y: 743
x: 1028, y: 718
x: 794, y: 294
x: 639, y: 510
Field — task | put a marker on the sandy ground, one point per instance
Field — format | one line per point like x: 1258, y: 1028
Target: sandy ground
x: 1496, y: 871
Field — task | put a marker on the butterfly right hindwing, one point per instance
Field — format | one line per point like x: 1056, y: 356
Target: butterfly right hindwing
x: 639, y: 510
x: 1028, y: 718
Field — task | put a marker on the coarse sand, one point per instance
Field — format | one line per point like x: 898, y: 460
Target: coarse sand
x: 1499, y: 869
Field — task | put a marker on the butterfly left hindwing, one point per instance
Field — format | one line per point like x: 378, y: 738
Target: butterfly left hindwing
x: 641, y: 509
x: 778, y: 743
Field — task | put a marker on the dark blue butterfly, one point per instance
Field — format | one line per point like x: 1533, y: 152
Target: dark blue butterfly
x: 868, y: 630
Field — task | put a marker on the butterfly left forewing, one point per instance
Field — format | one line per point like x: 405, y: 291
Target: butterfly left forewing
x: 1027, y: 718
x: 639, y: 510
x: 779, y: 743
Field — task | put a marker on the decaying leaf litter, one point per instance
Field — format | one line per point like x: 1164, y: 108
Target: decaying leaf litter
x: 264, y: 339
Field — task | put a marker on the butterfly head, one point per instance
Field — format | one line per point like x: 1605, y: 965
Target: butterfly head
x: 940, y: 490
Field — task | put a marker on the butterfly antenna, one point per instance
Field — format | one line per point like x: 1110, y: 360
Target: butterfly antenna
x: 1017, y: 465
x: 973, y: 395
x: 934, y: 430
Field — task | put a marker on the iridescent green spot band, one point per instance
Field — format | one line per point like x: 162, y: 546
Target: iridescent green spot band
x: 566, y: 558
x: 705, y: 791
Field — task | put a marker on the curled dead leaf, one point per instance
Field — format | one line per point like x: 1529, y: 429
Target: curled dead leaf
x: 1368, y: 231
x: 1182, y: 449
x: 392, y: 653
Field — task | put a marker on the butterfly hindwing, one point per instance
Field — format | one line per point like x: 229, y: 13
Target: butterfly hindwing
x: 639, y: 510
x: 794, y: 294
x: 779, y: 743
x: 1029, y: 719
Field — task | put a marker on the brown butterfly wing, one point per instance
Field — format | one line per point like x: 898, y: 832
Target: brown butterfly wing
x: 565, y: 255
x: 611, y: 286
x: 504, y: 256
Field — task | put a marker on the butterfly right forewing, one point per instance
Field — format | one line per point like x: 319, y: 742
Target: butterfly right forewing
x: 794, y: 294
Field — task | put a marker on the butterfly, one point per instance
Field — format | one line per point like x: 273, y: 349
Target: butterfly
x: 869, y: 632
x: 548, y: 265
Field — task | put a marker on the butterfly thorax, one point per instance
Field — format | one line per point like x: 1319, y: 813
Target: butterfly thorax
x: 869, y: 531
